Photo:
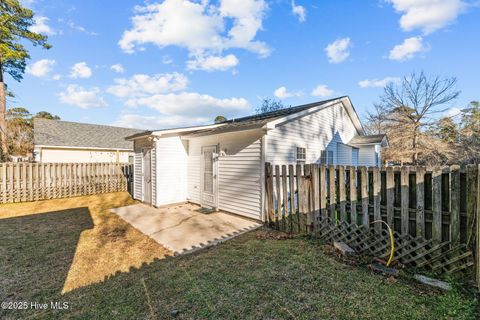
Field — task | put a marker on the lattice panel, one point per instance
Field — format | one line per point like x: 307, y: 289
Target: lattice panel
x: 410, y: 251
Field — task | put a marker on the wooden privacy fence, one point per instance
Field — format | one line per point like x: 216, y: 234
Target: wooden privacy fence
x: 21, y: 182
x: 433, y: 212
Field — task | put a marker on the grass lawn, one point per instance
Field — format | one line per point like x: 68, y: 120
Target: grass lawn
x: 75, y: 251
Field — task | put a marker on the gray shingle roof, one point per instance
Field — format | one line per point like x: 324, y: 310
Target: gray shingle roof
x: 74, y: 134
x: 372, y: 139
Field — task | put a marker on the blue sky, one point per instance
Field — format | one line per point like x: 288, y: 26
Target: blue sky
x: 175, y: 63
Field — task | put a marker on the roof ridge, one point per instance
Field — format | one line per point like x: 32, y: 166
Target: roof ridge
x: 87, y: 124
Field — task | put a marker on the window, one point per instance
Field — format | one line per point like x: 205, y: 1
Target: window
x: 326, y: 157
x: 301, y: 155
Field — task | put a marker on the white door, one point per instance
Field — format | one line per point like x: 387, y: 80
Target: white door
x: 209, y: 177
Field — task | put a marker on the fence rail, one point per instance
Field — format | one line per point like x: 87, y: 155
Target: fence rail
x: 21, y: 182
x: 434, y: 212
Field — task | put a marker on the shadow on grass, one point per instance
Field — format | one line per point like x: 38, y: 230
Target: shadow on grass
x: 31, y: 257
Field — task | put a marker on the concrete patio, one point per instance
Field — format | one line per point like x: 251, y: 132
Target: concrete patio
x: 184, y: 228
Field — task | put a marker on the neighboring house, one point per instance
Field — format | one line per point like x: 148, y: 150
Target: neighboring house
x: 222, y: 165
x: 62, y: 141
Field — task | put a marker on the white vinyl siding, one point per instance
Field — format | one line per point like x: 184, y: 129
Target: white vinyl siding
x: 153, y: 166
x: 171, y: 169
x: 318, y: 131
x: 344, y: 154
x: 239, y: 172
x: 354, y: 157
x: 367, y: 155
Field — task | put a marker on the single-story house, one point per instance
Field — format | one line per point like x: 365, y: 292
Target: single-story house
x: 58, y: 141
x: 222, y: 165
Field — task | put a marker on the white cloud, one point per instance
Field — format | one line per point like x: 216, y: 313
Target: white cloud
x: 192, y: 105
x: 337, y: 51
x: 211, y: 63
x: 77, y: 27
x: 322, y: 91
x: 141, y: 85
x: 452, y: 112
x: 155, y: 122
x: 299, y: 11
x: 427, y: 15
x: 41, y: 26
x: 378, y: 83
x: 198, y: 26
x: 56, y: 77
x: 118, y: 68
x: 40, y: 68
x: 407, y: 49
x: 80, y: 70
x: 283, y: 93
x: 81, y: 97
x: 166, y: 59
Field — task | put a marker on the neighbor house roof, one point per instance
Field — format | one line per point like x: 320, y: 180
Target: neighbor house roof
x: 74, y: 134
x: 253, y: 121
x: 371, y: 139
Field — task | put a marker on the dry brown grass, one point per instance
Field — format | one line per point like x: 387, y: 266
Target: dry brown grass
x: 110, y: 244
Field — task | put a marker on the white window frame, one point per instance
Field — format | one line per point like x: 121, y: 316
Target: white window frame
x: 299, y: 160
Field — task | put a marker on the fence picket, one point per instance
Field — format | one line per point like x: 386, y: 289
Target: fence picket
x: 377, y: 215
x: 341, y: 192
x: 364, y: 195
x: 420, y: 195
x: 315, y: 185
x: 455, y: 205
x: 437, y: 205
x: 404, y: 202
x: 331, y: 191
x: 323, y: 191
x: 291, y: 181
x: 353, y: 194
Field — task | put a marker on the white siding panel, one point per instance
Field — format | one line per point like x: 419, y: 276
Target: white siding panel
x: 153, y: 165
x: 239, y: 172
x: 318, y: 131
x: 171, y: 155
x: 366, y: 155
x: 354, y: 157
x: 344, y: 154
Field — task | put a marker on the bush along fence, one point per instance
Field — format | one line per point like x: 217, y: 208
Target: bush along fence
x: 21, y: 182
x: 433, y: 212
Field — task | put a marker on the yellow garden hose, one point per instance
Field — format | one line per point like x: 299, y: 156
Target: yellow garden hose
x: 392, y: 242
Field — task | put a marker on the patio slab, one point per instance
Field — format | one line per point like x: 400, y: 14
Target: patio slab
x: 182, y: 228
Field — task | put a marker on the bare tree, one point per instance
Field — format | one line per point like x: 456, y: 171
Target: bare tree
x: 414, y: 102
